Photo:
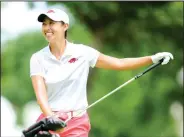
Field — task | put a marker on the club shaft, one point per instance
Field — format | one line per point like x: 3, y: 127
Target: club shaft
x: 110, y: 93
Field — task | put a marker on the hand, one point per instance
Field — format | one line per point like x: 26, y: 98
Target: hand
x: 46, y: 134
x: 53, y: 123
x: 162, y: 55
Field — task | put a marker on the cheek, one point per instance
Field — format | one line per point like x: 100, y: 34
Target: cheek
x: 54, y: 29
x: 57, y: 30
x: 43, y: 30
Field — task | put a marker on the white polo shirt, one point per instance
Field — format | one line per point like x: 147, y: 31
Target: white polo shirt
x: 65, y: 79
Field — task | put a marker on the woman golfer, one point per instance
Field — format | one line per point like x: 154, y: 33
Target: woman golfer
x: 59, y: 73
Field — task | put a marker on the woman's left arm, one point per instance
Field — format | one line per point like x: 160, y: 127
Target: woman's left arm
x: 108, y: 62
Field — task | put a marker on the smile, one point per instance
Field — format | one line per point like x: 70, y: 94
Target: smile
x: 49, y: 34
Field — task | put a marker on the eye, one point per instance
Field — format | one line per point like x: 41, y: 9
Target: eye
x: 52, y: 22
x: 43, y: 24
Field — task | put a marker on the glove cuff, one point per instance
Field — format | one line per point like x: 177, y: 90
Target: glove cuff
x: 154, y: 59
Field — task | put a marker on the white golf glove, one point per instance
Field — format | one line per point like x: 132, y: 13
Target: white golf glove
x: 162, y: 55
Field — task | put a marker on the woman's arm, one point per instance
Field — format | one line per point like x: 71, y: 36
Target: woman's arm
x: 108, y: 62
x: 41, y: 94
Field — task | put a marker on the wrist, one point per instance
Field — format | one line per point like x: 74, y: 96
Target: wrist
x: 153, y: 59
x: 49, y: 114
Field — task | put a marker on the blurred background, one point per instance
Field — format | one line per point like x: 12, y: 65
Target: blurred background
x: 149, y: 107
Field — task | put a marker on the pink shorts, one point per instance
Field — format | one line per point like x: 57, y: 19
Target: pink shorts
x: 76, y: 127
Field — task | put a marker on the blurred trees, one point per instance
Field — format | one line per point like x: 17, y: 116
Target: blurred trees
x: 120, y: 29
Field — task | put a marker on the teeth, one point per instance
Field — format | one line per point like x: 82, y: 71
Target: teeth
x: 49, y: 34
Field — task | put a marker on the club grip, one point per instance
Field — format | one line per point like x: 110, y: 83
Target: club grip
x: 149, y: 68
x: 34, y: 129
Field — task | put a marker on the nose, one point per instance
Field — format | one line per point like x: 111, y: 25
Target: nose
x: 46, y: 27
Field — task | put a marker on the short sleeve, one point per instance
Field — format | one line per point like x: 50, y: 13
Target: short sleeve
x: 92, y: 55
x: 36, y: 68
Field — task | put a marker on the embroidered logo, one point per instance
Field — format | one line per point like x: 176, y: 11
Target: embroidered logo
x: 72, y: 60
x: 50, y: 11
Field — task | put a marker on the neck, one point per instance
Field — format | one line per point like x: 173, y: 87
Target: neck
x: 57, y: 48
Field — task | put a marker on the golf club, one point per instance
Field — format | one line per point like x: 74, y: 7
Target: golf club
x: 38, y: 126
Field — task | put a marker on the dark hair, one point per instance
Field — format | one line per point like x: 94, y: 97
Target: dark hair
x: 65, y: 31
x: 65, y: 34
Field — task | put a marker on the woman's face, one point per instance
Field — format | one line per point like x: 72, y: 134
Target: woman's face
x: 53, y: 30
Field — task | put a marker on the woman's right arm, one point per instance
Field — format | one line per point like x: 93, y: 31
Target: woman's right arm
x: 38, y: 82
x: 41, y: 94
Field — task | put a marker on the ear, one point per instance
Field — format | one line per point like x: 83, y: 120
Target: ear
x: 66, y: 26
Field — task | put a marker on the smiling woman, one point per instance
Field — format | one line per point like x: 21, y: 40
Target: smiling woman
x: 59, y: 73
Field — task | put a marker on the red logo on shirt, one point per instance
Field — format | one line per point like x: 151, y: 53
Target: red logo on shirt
x: 50, y: 11
x: 72, y: 60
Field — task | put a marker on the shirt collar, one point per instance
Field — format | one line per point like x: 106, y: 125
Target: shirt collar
x: 67, y: 51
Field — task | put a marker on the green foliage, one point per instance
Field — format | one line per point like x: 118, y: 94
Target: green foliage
x: 16, y: 84
x: 120, y: 29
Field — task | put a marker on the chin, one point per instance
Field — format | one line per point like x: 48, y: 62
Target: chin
x: 50, y: 40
